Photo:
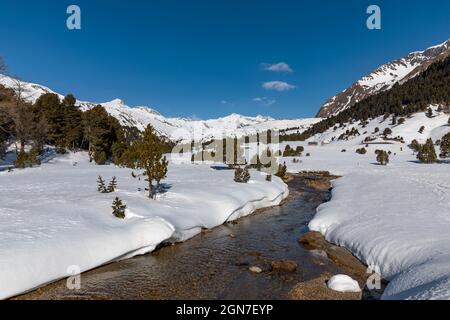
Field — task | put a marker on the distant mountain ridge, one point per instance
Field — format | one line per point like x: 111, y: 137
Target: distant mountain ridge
x: 175, y: 129
x: 384, y: 78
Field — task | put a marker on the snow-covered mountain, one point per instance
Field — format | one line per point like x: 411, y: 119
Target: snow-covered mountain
x: 175, y: 129
x: 383, y: 78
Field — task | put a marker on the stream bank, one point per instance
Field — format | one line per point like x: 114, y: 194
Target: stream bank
x: 268, y: 255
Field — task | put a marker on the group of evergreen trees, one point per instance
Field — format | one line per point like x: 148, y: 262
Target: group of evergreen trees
x: 102, y: 188
x: 427, y: 153
x: 289, y: 152
x: 60, y: 124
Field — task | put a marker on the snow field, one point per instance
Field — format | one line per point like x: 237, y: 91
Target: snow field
x: 52, y: 217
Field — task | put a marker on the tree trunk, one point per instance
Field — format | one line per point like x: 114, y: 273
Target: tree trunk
x: 22, y: 146
x: 150, y: 190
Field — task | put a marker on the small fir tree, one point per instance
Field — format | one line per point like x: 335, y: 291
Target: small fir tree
x: 361, y: 151
x: 282, y: 169
x: 101, y: 185
x: 118, y: 208
x: 241, y: 175
x: 415, y: 145
x: 112, y: 185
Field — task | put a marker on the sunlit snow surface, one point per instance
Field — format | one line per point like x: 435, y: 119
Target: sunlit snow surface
x: 343, y: 283
x: 52, y: 217
x: 394, y: 218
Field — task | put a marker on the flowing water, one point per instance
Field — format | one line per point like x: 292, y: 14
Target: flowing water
x: 215, y: 264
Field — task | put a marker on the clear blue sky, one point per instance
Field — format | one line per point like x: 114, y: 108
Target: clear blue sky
x: 202, y: 58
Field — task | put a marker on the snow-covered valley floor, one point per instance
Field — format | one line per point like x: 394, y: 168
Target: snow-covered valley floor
x: 54, y: 222
x: 395, y: 218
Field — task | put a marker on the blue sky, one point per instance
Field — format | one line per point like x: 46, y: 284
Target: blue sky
x: 205, y: 58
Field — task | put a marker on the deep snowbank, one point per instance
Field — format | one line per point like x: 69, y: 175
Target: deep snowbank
x: 396, y: 218
x: 397, y: 222
x: 52, y: 217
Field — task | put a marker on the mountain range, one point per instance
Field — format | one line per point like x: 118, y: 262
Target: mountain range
x: 185, y: 130
x: 176, y: 129
x: 384, y: 78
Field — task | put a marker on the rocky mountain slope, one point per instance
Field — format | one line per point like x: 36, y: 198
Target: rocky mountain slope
x: 383, y: 78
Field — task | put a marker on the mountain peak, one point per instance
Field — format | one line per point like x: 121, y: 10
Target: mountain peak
x: 176, y: 129
x: 384, y: 78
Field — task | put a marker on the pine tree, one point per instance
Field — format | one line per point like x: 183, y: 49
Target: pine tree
x: 282, y: 169
x: 73, y: 128
x: 241, y: 175
x: 415, y: 145
x: 49, y: 106
x: 427, y: 153
x: 161, y: 169
x: 361, y: 151
x: 445, y: 146
x: 149, y: 156
x: 382, y: 157
x: 387, y: 132
x: 112, y: 185
x: 269, y: 178
x: 101, y: 185
x: 27, y: 159
x: 118, y: 208
x: 101, y: 131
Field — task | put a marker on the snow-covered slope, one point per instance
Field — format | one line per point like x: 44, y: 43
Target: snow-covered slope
x: 176, y: 129
x: 59, y: 228
x: 372, y: 133
x: 383, y: 78
x: 395, y: 218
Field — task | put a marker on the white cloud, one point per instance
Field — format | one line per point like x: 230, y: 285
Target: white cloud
x: 277, y: 67
x: 278, y: 86
x: 265, y: 101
